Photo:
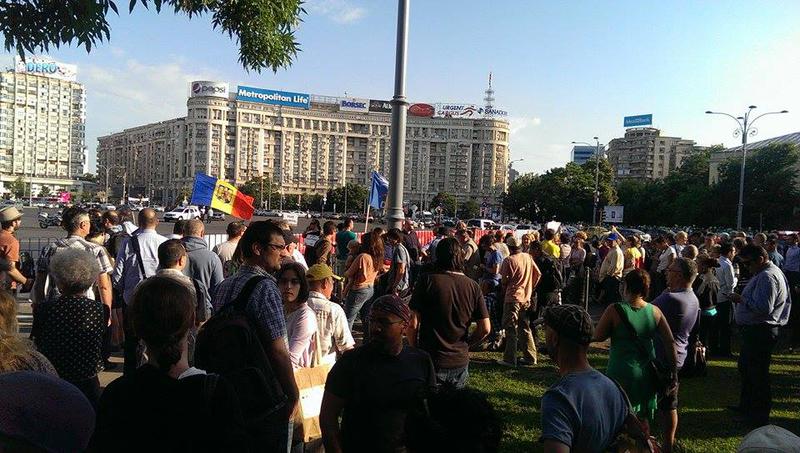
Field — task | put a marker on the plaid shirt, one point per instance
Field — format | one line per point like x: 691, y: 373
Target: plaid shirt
x: 72, y: 242
x: 264, y: 305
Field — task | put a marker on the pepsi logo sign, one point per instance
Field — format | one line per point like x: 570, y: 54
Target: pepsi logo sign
x: 425, y: 110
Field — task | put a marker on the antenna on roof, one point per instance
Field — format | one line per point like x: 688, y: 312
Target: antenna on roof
x: 489, y: 99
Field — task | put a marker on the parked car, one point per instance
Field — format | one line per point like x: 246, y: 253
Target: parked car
x: 634, y: 232
x: 595, y: 232
x: 217, y: 215
x: 482, y: 224
x: 158, y: 208
x: 182, y: 213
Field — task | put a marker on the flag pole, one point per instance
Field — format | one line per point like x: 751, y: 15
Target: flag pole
x: 369, y: 200
x: 366, y: 219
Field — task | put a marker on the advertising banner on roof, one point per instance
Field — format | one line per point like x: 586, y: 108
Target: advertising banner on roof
x: 274, y: 97
x: 46, y: 66
x: 208, y: 88
x: 354, y: 105
x: 380, y: 106
x: 638, y: 120
x: 466, y: 111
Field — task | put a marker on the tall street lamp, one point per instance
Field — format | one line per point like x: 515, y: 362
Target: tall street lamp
x: 596, y: 175
x: 745, y: 128
x: 394, y: 201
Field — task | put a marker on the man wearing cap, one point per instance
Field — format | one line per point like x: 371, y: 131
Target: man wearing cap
x: 334, y: 334
x: 584, y: 410
x: 611, y: 270
x: 520, y: 275
x: 10, y: 221
x: 375, y: 386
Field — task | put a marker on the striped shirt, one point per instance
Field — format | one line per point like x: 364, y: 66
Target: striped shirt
x: 72, y: 242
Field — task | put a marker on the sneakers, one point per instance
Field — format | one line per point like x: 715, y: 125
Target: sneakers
x: 527, y: 362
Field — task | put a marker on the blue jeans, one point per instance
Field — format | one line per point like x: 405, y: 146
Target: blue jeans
x: 354, y: 304
x: 456, y: 377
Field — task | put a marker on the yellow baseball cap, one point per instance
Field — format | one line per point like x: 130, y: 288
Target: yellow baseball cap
x: 320, y: 272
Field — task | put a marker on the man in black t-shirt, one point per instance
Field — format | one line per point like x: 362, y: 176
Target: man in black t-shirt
x: 444, y: 304
x: 548, y: 290
x: 375, y: 386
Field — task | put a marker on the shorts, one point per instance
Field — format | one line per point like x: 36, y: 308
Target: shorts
x: 668, y: 401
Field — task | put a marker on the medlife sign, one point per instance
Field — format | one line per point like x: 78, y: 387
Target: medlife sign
x: 638, y: 120
x: 354, y: 105
x: 274, y: 97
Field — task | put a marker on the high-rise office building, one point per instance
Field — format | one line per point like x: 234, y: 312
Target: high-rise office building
x: 582, y: 153
x: 308, y: 144
x: 42, y: 125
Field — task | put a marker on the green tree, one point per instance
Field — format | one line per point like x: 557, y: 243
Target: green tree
x: 253, y: 187
x: 469, y: 210
x: 264, y: 29
x: 19, y: 188
x: 447, y: 201
x: 356, y: 197
x: 770, y: 188
x: 44, y: 191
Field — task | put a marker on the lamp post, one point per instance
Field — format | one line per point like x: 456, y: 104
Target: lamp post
x: 745, y: 128
x: 596, y: 176
x: 394, y: 201
x: 108, y: 170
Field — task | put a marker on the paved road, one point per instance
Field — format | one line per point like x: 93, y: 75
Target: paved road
x: 30, y: 226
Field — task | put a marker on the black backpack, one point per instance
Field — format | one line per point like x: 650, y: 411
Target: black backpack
x: 228, y: 344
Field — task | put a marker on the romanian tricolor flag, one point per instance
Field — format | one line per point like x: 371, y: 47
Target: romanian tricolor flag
x: 222, y: 196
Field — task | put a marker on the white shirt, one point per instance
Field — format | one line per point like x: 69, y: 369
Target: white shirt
x: 727, y: 279
x: 663, y: 259
x: 299, y: 258
x: 334, y: 333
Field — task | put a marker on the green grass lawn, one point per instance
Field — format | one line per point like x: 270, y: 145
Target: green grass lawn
x: 704, y: 423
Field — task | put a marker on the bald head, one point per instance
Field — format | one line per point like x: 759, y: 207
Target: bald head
x: 195, y: 228
x: 148, y: 218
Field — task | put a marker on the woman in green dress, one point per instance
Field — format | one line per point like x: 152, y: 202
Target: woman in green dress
x: 627, y: 364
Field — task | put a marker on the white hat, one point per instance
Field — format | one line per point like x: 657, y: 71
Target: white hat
x: 769, y: 438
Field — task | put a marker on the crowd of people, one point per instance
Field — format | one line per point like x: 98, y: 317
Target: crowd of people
x: 218, y: 338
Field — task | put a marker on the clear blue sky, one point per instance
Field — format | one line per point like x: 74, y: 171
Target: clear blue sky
x: 564, y: 71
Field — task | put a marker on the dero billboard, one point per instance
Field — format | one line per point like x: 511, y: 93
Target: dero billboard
x: 207, y: 88
x: 46, y: 66
x: 274, y: 97
x: 354, y: 105
x: 456, y: 111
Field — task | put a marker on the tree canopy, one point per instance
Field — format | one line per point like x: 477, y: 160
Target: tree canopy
x: 565, y: 193
x: 264, y: 29
x: 356, y: 198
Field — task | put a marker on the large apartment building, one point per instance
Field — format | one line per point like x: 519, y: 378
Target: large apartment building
x: 645, y: 154
x: 42, y: 125
x: 307, y: 144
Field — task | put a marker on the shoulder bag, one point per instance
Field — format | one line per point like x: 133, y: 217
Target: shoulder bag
x: 659, y: 373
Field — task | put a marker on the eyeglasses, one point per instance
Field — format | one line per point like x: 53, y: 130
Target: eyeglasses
x: 276, y: 246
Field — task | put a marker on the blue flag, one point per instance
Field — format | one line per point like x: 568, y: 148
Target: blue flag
x: 378, y: 191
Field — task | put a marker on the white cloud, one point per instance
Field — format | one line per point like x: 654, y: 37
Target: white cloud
x: 340, y: 11
x: 132, y: 93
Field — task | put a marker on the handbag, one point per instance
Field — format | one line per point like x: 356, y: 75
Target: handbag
x: 695, y: 364
x: 659, y: 373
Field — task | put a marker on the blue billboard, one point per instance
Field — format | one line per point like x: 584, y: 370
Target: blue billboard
x: 275, y: 97
x: 638, y: 120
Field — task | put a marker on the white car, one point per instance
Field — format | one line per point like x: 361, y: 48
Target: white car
x: 182, y: 213
x: 482, y: 224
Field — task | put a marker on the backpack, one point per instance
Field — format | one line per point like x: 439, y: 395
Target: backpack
x: 115, y: 241
x: 313, y: 253
x: 552, y: 274
x: 228, y: 344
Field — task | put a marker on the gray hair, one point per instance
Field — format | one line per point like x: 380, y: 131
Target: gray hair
x: 688, y: 268
x: 74, y: 270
